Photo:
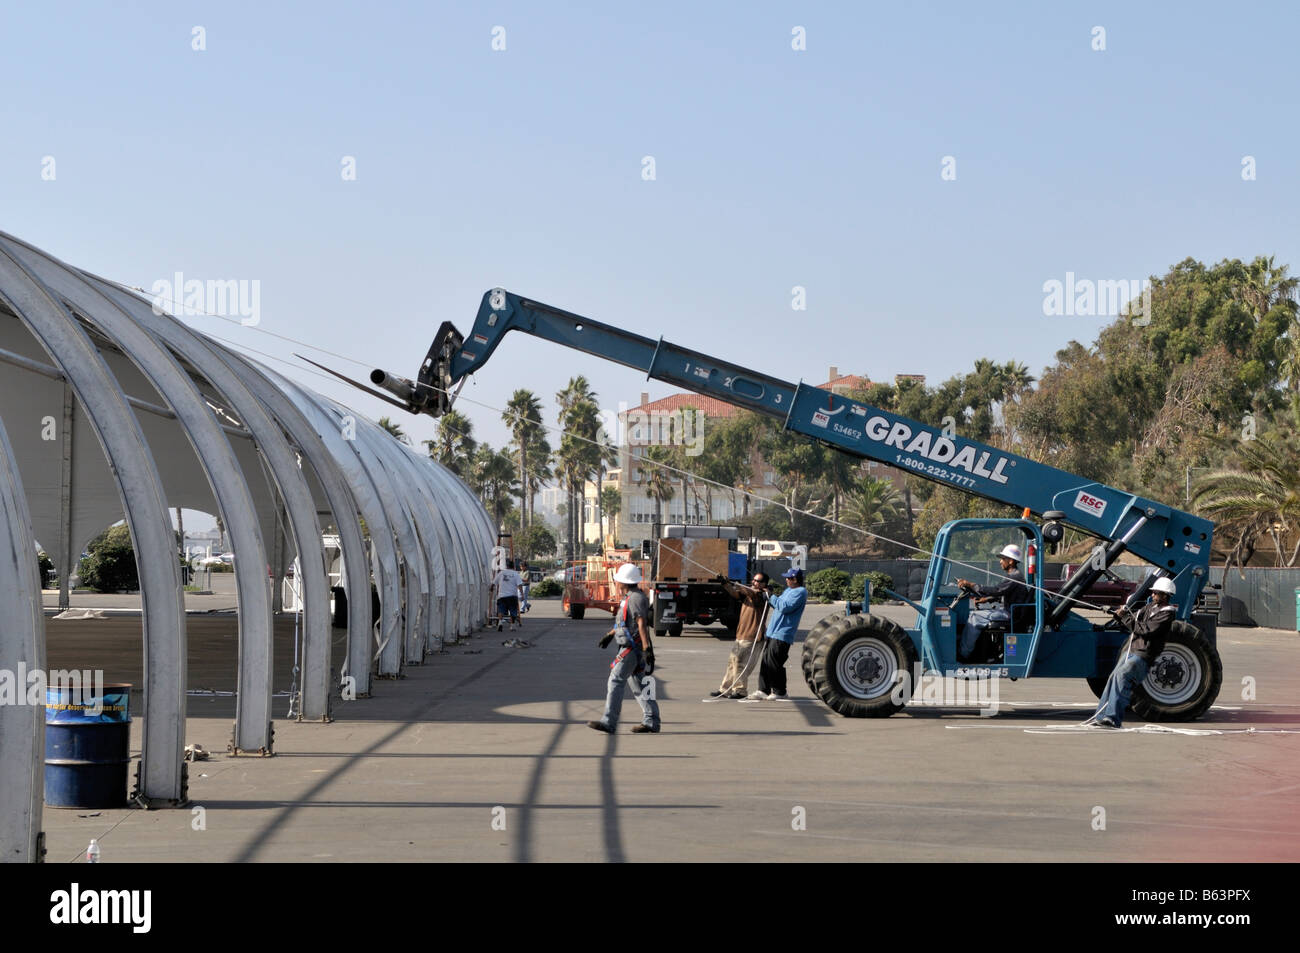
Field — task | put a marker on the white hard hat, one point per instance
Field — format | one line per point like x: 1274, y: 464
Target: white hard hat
x: 1165, y: 584
x: 628, y: 573
x: 1011, y: 552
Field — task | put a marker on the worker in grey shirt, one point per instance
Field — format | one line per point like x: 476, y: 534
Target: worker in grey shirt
x: 635, y: 661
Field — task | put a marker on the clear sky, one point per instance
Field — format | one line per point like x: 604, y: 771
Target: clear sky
x: 774, y: 167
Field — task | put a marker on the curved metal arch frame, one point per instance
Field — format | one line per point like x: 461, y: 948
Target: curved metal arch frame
x: 300, y: 506
x: 22, y: 647
x: 162, y: 776
x: 225, y: 477
x: 382, y: 540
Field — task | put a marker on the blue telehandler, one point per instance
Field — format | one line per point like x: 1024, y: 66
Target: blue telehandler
x: 863, y: 665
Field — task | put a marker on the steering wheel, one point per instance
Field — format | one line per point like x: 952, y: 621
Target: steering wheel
x: 963, y: 592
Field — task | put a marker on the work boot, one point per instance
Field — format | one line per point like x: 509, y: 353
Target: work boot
x: 600, y: 726
x: 645, y: 730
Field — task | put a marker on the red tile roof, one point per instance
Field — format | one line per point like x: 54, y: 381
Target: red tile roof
x: 847, y: 382
x: 708, y: 406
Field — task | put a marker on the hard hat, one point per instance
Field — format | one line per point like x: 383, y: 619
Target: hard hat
x: 628, y: 573
x: 1165, y: 584
x: 1011, y: 552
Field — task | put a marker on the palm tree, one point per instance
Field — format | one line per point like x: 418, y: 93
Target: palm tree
x: 1260, y: 497
x: 659, y: 485
x: 454, y: 443
x: 577, y: 458
x: 872, y: 503
x: 394, y: 428
x: 523, y: 414
x: 493, y: 479
x: 611, y: 502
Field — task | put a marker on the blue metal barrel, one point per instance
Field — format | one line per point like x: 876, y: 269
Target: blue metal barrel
x: 87, y: 746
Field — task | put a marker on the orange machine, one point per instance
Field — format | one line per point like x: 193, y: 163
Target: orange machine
x: 590, y: 582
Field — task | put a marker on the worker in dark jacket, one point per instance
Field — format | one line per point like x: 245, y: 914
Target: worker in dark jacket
x: 1011, y: 592
x: 1150, y: 626
x: 753, y: 603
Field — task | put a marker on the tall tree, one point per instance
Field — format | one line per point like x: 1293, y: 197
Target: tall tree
x: 454, y: 444
x: 394, y: 428
x: 523, y: 414
x: 492, y: 476
x: 1258, y: 496
x: 611, y: 504
x: 659, y: 482
x: 578, y: 456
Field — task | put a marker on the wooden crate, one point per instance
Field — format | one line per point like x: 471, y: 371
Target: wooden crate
x: 692, y: 560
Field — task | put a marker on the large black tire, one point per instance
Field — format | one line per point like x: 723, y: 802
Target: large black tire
x: 857, y: 666
x: 1098, y: 683
x: 1183, y: 682
x: 810, y: 645
x: 675, y: 629
x: 577, y: 610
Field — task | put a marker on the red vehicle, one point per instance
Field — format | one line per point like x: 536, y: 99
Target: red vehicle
x: 590, y: 582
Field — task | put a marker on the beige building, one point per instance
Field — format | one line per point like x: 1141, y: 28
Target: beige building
x: 682, y: 419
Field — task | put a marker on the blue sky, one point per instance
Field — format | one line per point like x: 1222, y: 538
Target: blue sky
x: 522, y: 168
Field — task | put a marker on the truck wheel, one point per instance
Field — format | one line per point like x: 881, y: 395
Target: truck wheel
x: 1183, y: 682
x: 1098, y: 684
x: 675, y: 629
x: 858, y: 664
x: 577, y: 610
x: 810, y: 646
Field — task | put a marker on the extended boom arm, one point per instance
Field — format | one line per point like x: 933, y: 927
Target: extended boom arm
x: 1178, y: 543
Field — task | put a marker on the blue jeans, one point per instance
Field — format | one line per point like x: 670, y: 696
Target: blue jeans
x: 1119, y: 688
x: 629, y: 666
x: 977, y: 622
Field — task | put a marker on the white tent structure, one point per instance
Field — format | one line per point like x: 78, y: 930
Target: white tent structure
x: 115, y: 411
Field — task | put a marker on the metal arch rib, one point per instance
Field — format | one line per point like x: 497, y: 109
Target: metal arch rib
x: 22, y: 645
x: 138, y: 483
x: 225, y: 477
x: 435, y: 544
x: 416, y: 579
x: 343, y: 495
x: 285, y: 471
x: 384, y: 547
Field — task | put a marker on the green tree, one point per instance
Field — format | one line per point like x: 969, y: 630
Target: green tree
x: 579, y: 456
x: 110, y: 563
x: 611, y: 504
x: 454, y: 444
x: 395, y: 429
x: 659, y: 483
x: 536, y: 541
x: 1258, y: 496
x: 523, y: 414
x: 492, y: 477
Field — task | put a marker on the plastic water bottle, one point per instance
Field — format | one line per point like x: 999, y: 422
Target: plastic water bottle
x: 92, y: 852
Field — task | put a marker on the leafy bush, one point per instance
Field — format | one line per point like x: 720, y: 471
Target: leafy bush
x: 545, y: 588
x: 879, y: 581
x: 829, y: 584
x: 111, y: 564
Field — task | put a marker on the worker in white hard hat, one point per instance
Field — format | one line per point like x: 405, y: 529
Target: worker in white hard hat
x: 1012, y: 591
x: 1150, y: 626
x: 635, y: 661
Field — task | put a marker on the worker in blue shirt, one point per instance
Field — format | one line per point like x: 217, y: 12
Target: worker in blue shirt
x: 787, y: 610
